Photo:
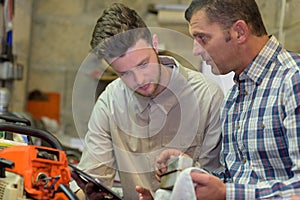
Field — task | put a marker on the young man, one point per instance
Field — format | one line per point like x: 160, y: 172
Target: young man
x: 260, y: 117
x: 155, y: 104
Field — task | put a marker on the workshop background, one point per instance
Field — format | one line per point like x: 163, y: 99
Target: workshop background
x: 50, y: 40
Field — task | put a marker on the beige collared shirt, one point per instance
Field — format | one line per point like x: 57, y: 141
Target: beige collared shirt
x: 126, y: 131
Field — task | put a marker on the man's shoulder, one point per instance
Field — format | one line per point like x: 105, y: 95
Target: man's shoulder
x: 199, y: 79
x: 204, y: 88
x: 115, y: 84
x: 115, y: 89
x: 115, y: 96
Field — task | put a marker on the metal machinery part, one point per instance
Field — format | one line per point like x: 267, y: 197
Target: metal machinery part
x: 34, y: 172
x: 4, y: 99
x: 175, y: 166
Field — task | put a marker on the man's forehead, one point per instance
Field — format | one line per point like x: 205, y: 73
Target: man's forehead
x: 140, y: 45
x: 199, y: 18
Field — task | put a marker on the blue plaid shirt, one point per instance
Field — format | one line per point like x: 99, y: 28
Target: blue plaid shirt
x: 261, y: 127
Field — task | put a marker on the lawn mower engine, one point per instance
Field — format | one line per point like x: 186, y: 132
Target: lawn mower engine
x: 34, y: 172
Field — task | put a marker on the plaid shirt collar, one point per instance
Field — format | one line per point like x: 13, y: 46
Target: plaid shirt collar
x: 258, y: 68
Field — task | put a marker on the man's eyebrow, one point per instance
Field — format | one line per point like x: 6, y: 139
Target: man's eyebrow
x: 139, y: 64
x: 198, y: 34
x: 143, y: 61
x: 118, y: 72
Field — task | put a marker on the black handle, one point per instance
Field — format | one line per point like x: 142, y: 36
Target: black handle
x: 5, y: 164
x: 67, y: 191
x: 30, y: 131
x: 12, y: 118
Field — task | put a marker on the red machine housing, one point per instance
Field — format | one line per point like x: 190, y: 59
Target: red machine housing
x: 42, y: 168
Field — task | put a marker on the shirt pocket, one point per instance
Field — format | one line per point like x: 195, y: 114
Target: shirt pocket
x: 267, y: 145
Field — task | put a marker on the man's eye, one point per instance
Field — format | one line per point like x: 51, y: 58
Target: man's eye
x: 202, y: 39
x: 124, y: 73
x: 144, y: 65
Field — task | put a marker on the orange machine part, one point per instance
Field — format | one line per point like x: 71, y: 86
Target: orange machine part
x: 32, y: 162
x: 50, y: 108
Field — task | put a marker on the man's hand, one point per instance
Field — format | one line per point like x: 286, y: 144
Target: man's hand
x: 208, y: 186
x: 144, y: 194
x: 89, y: 189
x: 162, y: 161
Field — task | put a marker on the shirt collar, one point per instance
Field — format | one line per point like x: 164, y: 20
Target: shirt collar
x: 258, y: 68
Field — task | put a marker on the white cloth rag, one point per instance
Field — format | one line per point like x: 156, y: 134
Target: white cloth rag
x: 183, y: 189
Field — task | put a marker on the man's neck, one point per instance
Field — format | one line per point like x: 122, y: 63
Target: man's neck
x: 251, y: 50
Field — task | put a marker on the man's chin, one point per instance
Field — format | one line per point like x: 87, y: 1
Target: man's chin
x: 213, y: 67
x: 216, y: 71
x: 144, y: 93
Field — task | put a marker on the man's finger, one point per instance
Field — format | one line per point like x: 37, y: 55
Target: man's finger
x: 200, y: 178
x: 89, y: 188
x: 78, y: 180
x: 92, y: 193
x: 144, y: 194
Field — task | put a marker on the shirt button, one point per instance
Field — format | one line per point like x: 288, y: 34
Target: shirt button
x: 239, y: 127
x: 246, y: 93
x: 244, y: 160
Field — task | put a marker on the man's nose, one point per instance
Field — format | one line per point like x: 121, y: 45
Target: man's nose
x: 198, y: 49
x: 138, y: 77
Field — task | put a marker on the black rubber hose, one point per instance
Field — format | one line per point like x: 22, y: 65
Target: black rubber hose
x: 30, y: 131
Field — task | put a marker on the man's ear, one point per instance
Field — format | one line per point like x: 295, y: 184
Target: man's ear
x: 242, y: 31
x: 155, y: 42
